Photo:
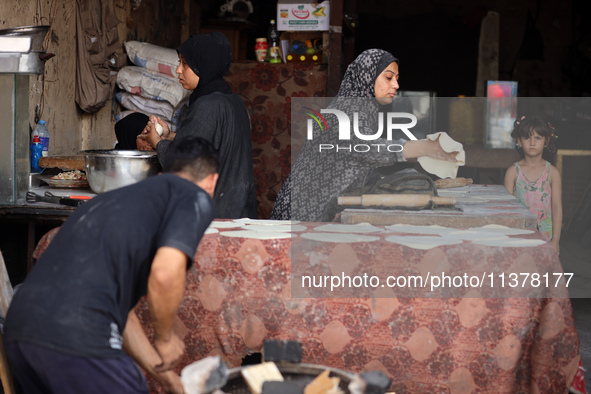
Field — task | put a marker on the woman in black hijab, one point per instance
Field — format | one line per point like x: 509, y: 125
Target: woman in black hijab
x: 217, y: 115
x: 127, y: 130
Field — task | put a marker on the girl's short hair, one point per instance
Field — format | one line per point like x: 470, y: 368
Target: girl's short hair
x: 525, y: 126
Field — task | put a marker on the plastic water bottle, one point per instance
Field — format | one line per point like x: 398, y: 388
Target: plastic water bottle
x: 43, y: 133
x: 36, y: 151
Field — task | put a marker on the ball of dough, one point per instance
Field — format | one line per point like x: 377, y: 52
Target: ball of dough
x: 159, y: 128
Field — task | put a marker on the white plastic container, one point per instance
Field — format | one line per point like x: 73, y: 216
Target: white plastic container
x: 43, y: 133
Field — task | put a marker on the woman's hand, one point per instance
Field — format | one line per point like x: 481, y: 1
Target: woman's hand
x: 417, y: 148
x: 165, y: 130
x: 150, y: 136
x: 435, y: 151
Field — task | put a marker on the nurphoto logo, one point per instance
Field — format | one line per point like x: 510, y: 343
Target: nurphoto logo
x: 344, y: 132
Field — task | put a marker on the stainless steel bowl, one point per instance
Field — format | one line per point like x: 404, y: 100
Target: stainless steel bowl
x: 111, y: 169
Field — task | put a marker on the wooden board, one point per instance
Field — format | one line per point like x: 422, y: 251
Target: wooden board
x: 66, y: 163
x: 476, y: 205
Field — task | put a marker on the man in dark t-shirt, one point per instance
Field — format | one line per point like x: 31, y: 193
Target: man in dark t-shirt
x: 71, y: 322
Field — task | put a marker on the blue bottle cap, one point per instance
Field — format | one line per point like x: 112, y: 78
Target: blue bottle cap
x: 41, y: 122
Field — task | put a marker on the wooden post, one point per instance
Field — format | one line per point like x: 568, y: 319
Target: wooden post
x: 6, y: 291
x: 5, y: 298
x: 5, y: 376
x: 488, y: 52
x: 335, y: 48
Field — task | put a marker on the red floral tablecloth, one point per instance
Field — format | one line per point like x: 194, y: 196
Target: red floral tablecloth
x: 239, y: 293
x: 267, y: 90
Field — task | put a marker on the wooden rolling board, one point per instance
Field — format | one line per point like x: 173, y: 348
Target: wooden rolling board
x: 476, y: 205
x: 66, y: 163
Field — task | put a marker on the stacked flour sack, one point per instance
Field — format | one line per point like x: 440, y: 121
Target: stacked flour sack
x: 151, y: 85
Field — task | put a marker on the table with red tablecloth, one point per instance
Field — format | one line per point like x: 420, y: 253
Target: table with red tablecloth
x: 241, y: 291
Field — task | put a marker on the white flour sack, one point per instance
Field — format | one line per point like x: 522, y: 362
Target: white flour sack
x: 163, y: 109
x: 153, y: 57
x: 152, y: 85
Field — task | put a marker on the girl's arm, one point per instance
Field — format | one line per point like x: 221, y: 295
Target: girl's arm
x: 556, y: 184
x: 510, y: 176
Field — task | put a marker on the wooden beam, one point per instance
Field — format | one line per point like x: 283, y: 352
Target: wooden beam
x: 5, y: 298
x: 488, y: 52
x: 335, y: 48
x: 186, y: 21
x: 5, y: 376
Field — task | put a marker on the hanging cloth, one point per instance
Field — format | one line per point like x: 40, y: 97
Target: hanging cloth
x: 96, y: 59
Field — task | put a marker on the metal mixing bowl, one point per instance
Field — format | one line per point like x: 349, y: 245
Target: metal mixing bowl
x: 111, y: 169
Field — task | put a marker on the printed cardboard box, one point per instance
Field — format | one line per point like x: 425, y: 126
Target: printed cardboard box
x: 294, y: 15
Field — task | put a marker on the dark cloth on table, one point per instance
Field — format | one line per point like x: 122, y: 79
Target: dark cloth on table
x: 317, y: 178
x: 77, y: 296
x: 127, y: 130
x: 219, y: 116
x: 39, y: 370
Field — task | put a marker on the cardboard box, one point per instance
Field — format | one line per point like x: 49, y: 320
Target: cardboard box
x: 294, y: 15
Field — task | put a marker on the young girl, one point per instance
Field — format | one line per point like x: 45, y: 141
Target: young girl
x: 533, y: 180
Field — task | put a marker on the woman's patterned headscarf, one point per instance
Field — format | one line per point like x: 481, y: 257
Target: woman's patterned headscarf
x: 361, y: 75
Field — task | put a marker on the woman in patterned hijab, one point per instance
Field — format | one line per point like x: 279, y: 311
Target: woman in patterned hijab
x: 371, y: 80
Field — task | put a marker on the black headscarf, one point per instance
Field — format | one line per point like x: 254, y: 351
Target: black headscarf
x: 209, y: 56
x: 128, y: 128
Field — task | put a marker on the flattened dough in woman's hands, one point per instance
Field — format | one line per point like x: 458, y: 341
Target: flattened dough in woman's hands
x: 442, y: 168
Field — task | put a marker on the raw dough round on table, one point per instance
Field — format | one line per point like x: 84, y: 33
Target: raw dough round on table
x: 257, y: 234
x: 509, y: 242
x: 266, y: 222
x: 423, y: 242
x: 497, y: 228
x: 412, y: 229
x: 442, y: 168
x: 461, y: 190
x: 218, y: 224
x: 348, y: 228
x: 445, y: 193
x: 277, y: 227
x: 494, y: 198
x: 338, y: 237
x: 210, y: 230
x: 469, y: 235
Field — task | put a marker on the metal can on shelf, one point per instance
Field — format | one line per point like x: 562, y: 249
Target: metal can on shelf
x: 260, y: 49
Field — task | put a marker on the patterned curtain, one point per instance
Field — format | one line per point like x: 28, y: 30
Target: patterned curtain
x: 267, y: 90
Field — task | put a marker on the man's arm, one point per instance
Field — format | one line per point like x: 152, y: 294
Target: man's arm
x: 137, y: 345
x: 166, y: 285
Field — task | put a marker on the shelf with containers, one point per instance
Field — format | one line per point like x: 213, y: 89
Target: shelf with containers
x: 304, y: 31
